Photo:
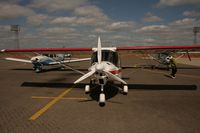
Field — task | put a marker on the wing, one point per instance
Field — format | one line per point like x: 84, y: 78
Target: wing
x: 135, y: 48
x: 19, y: 60
x: 168, y: 50
x: 46, y: 49
x: 71, y: 61
x: 189, y: 47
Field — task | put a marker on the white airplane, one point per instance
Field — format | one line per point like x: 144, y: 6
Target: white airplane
x: 50, y: 59
x: 105, y: 63
x: 105, y: 66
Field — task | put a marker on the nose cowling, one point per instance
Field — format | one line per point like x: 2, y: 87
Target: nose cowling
x: 34, y: 59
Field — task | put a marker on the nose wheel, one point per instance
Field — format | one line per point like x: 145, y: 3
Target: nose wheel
x: 38, y: 69
x: 102, y: 99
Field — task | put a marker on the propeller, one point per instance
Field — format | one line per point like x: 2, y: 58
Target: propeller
x: 99, y: 53
x: 99, y: 68
x: 85, y: 76
x: 115, y: 77
x: 72, y: 69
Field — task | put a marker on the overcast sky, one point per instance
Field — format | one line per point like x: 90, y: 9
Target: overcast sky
x: 77, y: 23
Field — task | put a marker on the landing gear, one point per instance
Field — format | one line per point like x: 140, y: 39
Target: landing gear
x: 92, y: 81
x: 125, y: 90
x: 62, y: 68
x: 38, y: 69
x: 102, y: 97
x: 87, y: 89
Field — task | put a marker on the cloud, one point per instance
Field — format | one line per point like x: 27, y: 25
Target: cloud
x: 37, y: 19
x: 153, y: 28
x: 59, y: 30
x: 75, y: 21
x: 121, y: 25
x: 10, y: 11
x: 92, y: 36
x: 177, y: 2
x: 58, y: 5
x: 10, y: 1
x: 91, y: 15
x: 78, y: 21
x: 184, y: 22
x: 100, y: 30
x: 149, y: 17
x: 120, y: 37
x: 64, y: 20
x: 191, y: 13
x: 91, y: 11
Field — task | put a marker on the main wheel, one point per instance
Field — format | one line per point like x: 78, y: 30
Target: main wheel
x: 125, y: 90
x: 87, y: 89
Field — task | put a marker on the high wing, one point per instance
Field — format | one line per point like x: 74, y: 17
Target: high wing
x: 186, y: 47
x: 45, y: 49
x: 70, y: 61
x: 135, y: 48
x: 18, y: 60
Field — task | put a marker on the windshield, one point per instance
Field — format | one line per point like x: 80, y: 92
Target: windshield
x: 107, y: 55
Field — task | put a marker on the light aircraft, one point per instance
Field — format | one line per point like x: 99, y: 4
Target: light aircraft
x: 105, y: 63
x: 48, y: 60
x: 163, y: 58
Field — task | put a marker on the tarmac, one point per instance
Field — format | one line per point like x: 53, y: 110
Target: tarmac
x: 48, y: 102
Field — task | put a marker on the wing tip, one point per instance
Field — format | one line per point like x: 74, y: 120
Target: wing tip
x: 3, y: 50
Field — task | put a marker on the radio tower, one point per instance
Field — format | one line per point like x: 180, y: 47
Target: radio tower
x: 16, y: 30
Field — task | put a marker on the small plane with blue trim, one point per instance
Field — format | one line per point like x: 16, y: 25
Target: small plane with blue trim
x: 42, y: 60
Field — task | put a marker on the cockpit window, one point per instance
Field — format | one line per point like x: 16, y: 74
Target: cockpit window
x: 107, y: 55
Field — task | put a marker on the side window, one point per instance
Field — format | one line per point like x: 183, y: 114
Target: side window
x: 94, y: 57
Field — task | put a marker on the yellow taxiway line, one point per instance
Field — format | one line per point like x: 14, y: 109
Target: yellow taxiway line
x: 51, y: 103
x: 64, y: 98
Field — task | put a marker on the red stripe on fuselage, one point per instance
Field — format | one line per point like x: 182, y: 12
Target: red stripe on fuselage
x: 116, y: 71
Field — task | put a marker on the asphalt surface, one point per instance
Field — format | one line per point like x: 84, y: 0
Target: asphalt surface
x: 49, y: 103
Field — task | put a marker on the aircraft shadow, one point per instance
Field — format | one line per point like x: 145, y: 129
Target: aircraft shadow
x: 130, y: 86
x: 110, y: 90
x: 161, y: 67
x: 161, y: 87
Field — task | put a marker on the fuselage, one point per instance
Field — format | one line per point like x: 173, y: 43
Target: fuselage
x: 110, y: 62
x: 47, y: 59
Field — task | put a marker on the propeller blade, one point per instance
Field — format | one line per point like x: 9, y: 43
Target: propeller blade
x: 115, y: 77
x: 99, y: 50
x: 72, y: 69
x: 87, y: 75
